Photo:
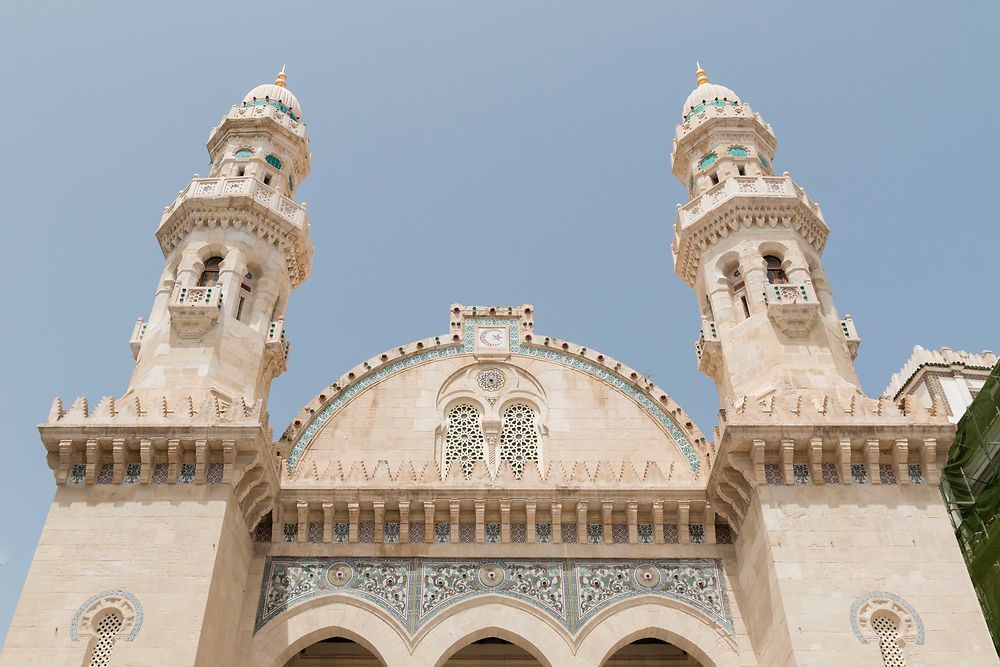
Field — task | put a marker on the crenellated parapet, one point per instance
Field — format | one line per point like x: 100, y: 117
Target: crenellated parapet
x: 813, y: 438
x: 163, y: 443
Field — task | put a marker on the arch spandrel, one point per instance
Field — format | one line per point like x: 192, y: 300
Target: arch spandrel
x: 591, y: 407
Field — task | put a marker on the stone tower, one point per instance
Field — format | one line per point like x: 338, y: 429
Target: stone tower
x: 749, y: 243
x: 236, y: 244
x: 833, y: 494
x: 180, y: 469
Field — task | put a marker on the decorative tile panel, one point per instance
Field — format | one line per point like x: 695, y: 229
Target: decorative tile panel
x: 801, y: 473
x: 79, y: 474
x: 518, y: 533
x: 214, y: 473
x: 859, y: 473
x: 697, y: 532
x: 105, y: 474
x: 391, y: 533
x: 493, y: 533
x: 772, y: 474
x: 442, y: 532
x: 160, y: 473
x: 341, y: 533
x: 468, y: 347
x: 645, y: 533
x: 887, y: 473
x: 831, y: 474
x: 316, y: 531
x: 366, y: 532
x: 595, y: 533
x: 187, y: 474
x: 571, y: 591
x: 916, y: 473
x: 289, y: 532
x: 133, y: 472
x: 543, y: 533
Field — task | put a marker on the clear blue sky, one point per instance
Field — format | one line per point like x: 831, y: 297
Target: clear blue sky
x: 482, y: 153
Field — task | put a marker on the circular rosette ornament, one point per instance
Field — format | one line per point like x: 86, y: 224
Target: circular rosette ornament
x: 647, y: 576
x: 340, y: 574
x: 491, y: 379
x: 491, y: 575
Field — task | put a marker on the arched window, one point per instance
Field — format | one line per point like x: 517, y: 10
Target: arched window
x: 775, y: 274
x: 464, y: 439
x: 105, y: 634
x: 887, y: 631
x: 518, y: 437
x: 210, y: 275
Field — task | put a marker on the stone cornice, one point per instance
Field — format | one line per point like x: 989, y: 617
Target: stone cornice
x: 738, y: 203
x: 808, y: 438
x: 243, y: 202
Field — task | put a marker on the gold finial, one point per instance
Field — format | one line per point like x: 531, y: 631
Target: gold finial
x: 702, y: 77
x: 281, y: 78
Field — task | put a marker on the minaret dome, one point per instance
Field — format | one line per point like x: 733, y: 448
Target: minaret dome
x: 707, y: 94
x: 275, y: 94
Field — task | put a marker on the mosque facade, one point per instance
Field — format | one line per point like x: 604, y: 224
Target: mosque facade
x: 492, y: 495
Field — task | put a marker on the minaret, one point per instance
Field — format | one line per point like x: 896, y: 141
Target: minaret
x: 749, y: 242
x: 236, y: 244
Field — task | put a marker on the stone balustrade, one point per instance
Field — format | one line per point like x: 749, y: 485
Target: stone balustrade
x: 193, y: 310
x: 296, y: 127
x: 242, y: 186
x: 765, y: 187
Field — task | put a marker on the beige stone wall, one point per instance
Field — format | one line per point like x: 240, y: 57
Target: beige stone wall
x: 179, y: 549
x: 808, y: 552
x: 586, y: 419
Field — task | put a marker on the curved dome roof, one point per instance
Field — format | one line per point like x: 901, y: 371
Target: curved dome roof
x: 275, y: 92
x: 707, y: 93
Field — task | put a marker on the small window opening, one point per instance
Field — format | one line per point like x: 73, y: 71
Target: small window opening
x: 746, y: 306
x: 741, y: 169
x: 715, y: 178
x: 104, y: 640
x: 242, y: 171
x: 267, y: 179
x: 775, y: 274
x: 210, y: 275
x: 246, y: 288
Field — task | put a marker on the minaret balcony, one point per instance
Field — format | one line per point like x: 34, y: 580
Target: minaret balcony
x: 193, y: 310
x: 276, y: 347
x: 793, y: 308
x: 741, y: 202
x: 850, y: 335
x: 237, y: 192
x: 138, y: 332
x: 708, y: 347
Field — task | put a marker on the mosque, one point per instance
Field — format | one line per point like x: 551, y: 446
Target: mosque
x: 492, y: 495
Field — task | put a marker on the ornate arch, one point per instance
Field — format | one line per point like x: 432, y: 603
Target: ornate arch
x: 639, y: 618
x: 325, y: 617
x: 123, y: 602
x: 502, y: 618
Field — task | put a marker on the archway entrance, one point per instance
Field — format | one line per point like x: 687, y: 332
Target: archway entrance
x: 334, y: 652
x: 650, y: 651
x: 492, y: 652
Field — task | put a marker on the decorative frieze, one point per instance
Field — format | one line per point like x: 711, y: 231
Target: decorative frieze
x: 413, y: 591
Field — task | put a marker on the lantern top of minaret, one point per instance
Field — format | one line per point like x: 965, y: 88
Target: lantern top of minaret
x: 707, y: 93
x: 276, y: 94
